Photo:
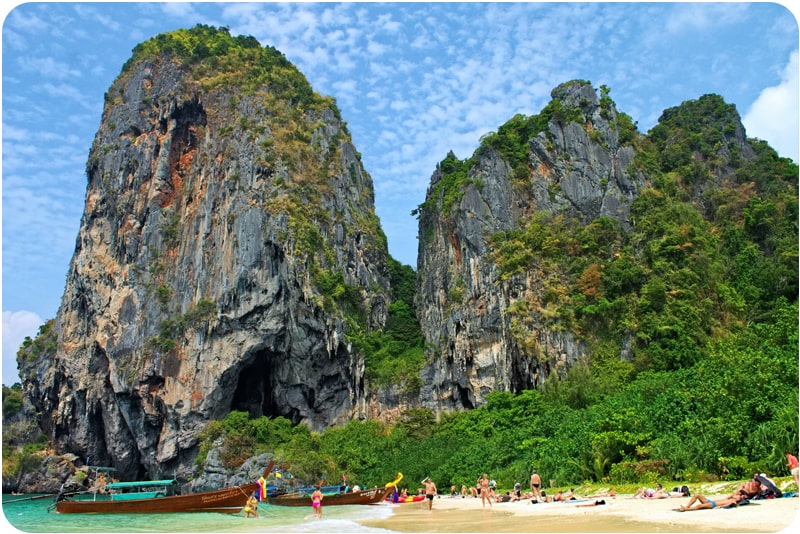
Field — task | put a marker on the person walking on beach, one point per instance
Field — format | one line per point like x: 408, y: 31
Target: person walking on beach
x: 316, y: 502
x: 707, y: 504
x: 794, y: 467
x: 430, y: 491
x: 483, y: 486
x: 536, y: 483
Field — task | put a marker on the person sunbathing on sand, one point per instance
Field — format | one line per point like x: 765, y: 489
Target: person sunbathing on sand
x: 751, y: 487
x: 595, y: 503
x: 661, y: 494
x: 658, y: 493
x: 508, y: 497
x: 707, y: 504
x: 564, y: 496
x: 597, y: 495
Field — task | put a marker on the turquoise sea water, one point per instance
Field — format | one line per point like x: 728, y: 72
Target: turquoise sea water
x: 33, y: 516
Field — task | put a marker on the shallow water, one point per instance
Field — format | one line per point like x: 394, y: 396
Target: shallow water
x: 33, y: 516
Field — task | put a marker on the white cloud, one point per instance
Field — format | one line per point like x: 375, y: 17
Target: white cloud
x: 773, y: 117
x: 689, y: 17
x: 16, y: 326
x: 48, y: 67
x: 71, y: 93
x: 375, y: 48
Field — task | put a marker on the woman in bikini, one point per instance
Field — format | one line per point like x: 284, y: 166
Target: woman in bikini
x: 251, y: 507
x: 704, y: 503
x: 316, y: 502
x: 483, y: 485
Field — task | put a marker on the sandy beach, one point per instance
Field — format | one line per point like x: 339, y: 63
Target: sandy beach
x: 621, y: 513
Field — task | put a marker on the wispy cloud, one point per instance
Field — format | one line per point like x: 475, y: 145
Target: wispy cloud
x: 685, y: 17
x: 48, y: 67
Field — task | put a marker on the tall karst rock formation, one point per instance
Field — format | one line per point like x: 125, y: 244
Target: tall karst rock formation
x: 531, y: 260
x: 493, y: 332
x: 229, y: 236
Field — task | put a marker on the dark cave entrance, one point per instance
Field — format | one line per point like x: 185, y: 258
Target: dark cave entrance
x: 254, y: 389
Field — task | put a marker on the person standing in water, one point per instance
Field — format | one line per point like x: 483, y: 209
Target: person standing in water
x: 250, y: 509
x: 316, y: 502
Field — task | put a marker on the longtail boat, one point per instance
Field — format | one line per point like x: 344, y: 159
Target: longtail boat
x: 369, y: 496
x: 227, y: 500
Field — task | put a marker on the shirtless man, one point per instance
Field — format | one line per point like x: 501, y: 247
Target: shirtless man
x: 430, y: 491
x: 752, y: 487
x: 707, y: 504
x: 536, y: 483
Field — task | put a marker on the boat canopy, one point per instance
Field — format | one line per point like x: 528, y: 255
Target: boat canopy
x: 145, y: 483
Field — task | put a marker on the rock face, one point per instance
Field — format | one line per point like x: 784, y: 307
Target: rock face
x: 577, y: 167
x: 224, y: 219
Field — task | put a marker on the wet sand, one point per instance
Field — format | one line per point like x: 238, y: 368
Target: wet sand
x: 620, y: 514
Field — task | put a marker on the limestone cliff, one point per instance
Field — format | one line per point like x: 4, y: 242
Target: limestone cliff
x: 229, y: 256
x: 571, y: 160
x: 228, y: 239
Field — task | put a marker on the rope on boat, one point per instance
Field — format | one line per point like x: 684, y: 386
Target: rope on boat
x: 34, y: 498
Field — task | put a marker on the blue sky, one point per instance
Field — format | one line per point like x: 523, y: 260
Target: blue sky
x: 412, y: 80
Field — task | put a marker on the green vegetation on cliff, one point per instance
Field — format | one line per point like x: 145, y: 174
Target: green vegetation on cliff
x: 393, y: 355
x: 713, y: 247
x: 217, y: 58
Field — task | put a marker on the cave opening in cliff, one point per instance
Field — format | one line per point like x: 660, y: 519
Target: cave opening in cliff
x: 253, y: 392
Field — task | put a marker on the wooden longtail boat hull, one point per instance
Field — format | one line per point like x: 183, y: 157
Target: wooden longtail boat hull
x: 370, y: 496
x: 228, y: 500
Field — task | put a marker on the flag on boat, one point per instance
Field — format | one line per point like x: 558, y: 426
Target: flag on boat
x: 262, y: 489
